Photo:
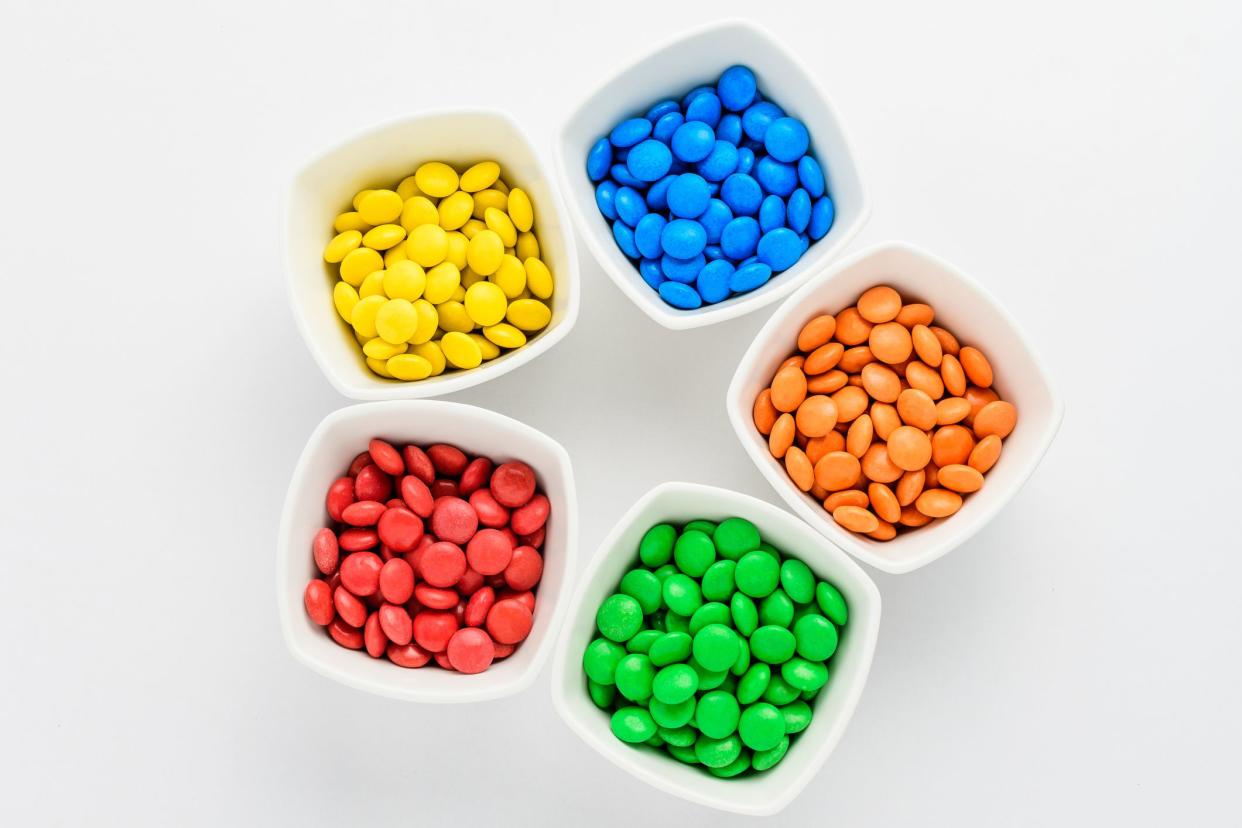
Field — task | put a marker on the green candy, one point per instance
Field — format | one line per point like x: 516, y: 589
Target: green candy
x: 816, y: 637
x: 634, y: 677
x: 676, y: 623
x: 757, y: 574
x: 761, y: 727
x: 713, y: 612
x: 715, y: 647
x: 797, y: 716
x: 672, y: 715
x: 739, y: 765
x: 694, y: 553
x: 776, y: 609
x: 716, y: 753
x: 704, y: 526
x: 734, y: 537
x: 600, y: 659
x: 765, y: 759
x: 678, y: 736
x: 682, y: 594
x: 602, y: 695
x: 656, y: 547
x: 832, y: 603
x: 675, y: 683
x: 743, y: 658
x: 644, y: 587
x: 619, y: 617
x: 655, y: 741
x: 633, y: 725
x: 670, y: 648
x: 798, y: 581
x: 806, y: 676
x: 772, y: 644
x: 717, y: 714
x: 729, y: 685
x: 683, y: 753
x: 641, y: 642
x: 754, y: 682
x: 662, y: 572
x: 744, y: 613
x: 718, y: 582
x: 780, y: 692
x: 708, y: 679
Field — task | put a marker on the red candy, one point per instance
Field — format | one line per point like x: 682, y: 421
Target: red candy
x: 419, y: 464
x: 399, y: 529
x: 386, y: 457
x: 535, y: 538
x: 471, y: 650
x: 489, y: 552
x: 443, y: 488
x: 357, y: 540
x: 475, y: 476
x: 478, y: 606
x: 340, y: 495
x: 491, y: 513
x: 345, y: 635
x: 524, y: 570
x: 531, y: 516
x: 433, y: 629
x: 396, y: 581
x: 453, y: 520
x: 352, y: 611
x: 359, y: 463
x: 318, y: 601
x: 360, y: 573
x: 326, y: 551
x: 417, y: 496
x: 396, y: 624
x: 363, y: 513
x: 434, y: 597
x: 442, y: 564
x: 372, y: 484
x: 470, y: 583
x: 512, y: 484
x: 373, y: 636
x: 509, y: 621
x: 450, y: 461
x: 410, y: 655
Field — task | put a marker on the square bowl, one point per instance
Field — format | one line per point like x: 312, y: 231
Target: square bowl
x: 331, y: 447
x: 759, y: 794
x: 380, y: 157
x: 971, y: 314
x: 670, y: 72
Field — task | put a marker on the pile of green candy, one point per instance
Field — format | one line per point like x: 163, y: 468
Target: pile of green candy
x: 713, y: 647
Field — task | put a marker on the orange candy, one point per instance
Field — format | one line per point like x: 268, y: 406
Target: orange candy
x: 816, y: 416
x: 788, y: 388
x: 837, y: 470
x: 817, y: 332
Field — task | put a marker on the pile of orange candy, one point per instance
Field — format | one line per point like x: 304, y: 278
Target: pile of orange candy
x: 884, y: 417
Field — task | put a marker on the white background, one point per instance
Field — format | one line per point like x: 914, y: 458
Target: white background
x: 1075, y: 662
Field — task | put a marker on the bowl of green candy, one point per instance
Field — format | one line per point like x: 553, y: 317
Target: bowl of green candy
x: 716, y: 648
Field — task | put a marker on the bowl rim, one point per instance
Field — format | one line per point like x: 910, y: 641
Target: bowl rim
x: 484, y: 686
x: 368, y: 389
x: 738, y: 410
x: 863, y: 593
x: 656, y: 309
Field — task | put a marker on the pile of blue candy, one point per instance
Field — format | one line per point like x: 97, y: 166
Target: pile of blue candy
x: 712, y: 196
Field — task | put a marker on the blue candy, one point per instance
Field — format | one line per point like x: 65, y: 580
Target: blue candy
x: 625, y: 239
x: 647, y: 235
x: 745, y: 160
x: 798, y: 210
x: 679, y: 295
x: 811, y: 175
x: 682, y: 270
x: 771, y: 213
x: 739, y: 237
x: 822, y: 215
x: 649, y: 269
x: 714, y: 219
x: 742, y: 193
x: 667, y: 125
x: 693, y: 141
x: 657, y: 196
x: 694, y: 93
x: 737, y: 88
x: 786, y: 139
x: 683, y: 238
x: 757, y: 118
x: 713, y: 252
x: 688, y: 196
x: 648, y: 161
x: 779, y: 249
x: 713, y: 281
x: 599, y: 159
x: 660, y: 110
x: 749, y: 276
x: 628, y: 133
x: 621, y: 174
x: 721, y: 163
x: 630, y: 205
x: 705, y: 108
x: 776, y: 177
x: 730, y: 129
x: 606, y: 198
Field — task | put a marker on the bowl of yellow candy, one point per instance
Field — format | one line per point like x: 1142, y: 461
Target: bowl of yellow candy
x: 427, y: 255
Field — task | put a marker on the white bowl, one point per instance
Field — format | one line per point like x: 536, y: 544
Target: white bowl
x: 670, y: 72
x: 331, y: 447
x: 380, y: 157
x: 759, y: 794
x: 971, y: 314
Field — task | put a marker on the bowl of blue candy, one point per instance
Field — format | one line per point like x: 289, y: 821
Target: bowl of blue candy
x: 711, y: 177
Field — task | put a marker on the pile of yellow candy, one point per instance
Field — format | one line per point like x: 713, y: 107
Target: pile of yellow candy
x: 443, y: 272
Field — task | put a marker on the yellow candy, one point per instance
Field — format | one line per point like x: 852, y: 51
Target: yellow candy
x: 360, y: 263
x: 521, y: 210
x: 428, y: 321
x: 505, y: 335
x: 396, y: 321
x: 510, y: 277
x: 485, y: 303
x: 373, y: 285
x: 363, y: 316
x: 350, y: 221
x: 384, y: 236
x: 427, y: 245
x: 408, y: 188
x: 459, y: 294
x: 472, y: 228
x: 469, y: 277
x: 527, y: 246
x: 501, y: 186
x: 455, y: 210
x: 418, y: 210
x: 379, y: 206
x: 442, y: 280
x: 344, y: 297
x: 340, y: 245
x: 529, y: 314
x: 379, y: 366
x: 538, y: 278
x: 498, y: 222
x: 436, y: 179
x: 453, y: 317
x: 380, y: 349
x: 431, y: 352
x: 409, y: 367
x: 359, y: 196
x: 486, y: 348
x: 404, y: 280
x: 485, y: 252
x: 460, y: 350
x: 457, y: 243
x: 480, y: 176
x: 489, y: 198
x: 394, y: 254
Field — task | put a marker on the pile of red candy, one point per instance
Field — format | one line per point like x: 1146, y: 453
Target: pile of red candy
x: 431, y: 555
